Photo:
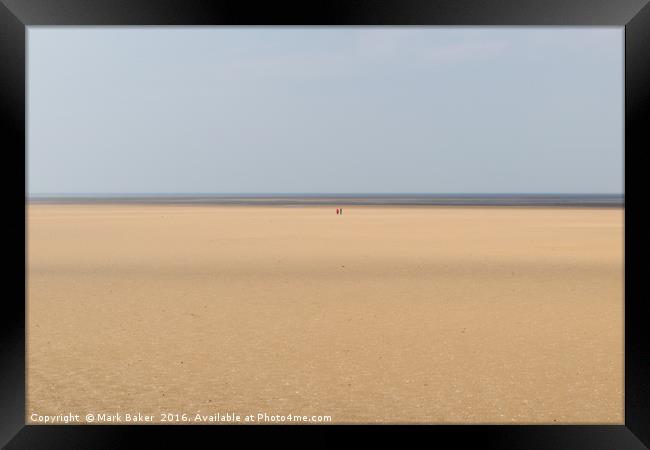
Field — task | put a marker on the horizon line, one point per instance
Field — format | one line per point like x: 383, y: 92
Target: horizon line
x: 360, y: 194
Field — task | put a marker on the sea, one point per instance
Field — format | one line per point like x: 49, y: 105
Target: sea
x: 293, y: 199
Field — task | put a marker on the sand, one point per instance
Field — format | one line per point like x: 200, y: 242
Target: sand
x: 382, y: 315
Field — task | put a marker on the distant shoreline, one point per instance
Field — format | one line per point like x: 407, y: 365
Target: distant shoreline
x: 543, y: 200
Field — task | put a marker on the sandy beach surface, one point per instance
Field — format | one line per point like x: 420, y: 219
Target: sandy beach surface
x: 384, y: 314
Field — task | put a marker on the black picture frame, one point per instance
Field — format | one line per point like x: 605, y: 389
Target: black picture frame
x: 634, y: 15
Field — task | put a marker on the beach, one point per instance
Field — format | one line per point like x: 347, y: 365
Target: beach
x: 385, y: 314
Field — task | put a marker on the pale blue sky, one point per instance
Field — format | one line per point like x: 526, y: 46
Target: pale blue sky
x: 320, y: 109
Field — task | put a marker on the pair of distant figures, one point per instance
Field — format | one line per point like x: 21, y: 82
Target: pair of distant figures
x: 339, y: 211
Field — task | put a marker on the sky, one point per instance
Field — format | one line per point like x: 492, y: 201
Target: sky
x: 117, y: 110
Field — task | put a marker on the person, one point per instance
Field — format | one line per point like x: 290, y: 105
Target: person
x: 341, y: 211
x: 337, y: 211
